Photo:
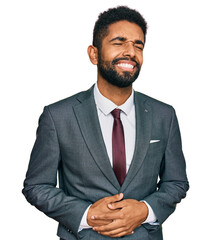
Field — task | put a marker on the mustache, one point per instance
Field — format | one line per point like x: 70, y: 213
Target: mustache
x: 127, y: 59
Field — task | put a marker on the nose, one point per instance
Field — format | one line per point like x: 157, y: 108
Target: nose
x: 129, y: 50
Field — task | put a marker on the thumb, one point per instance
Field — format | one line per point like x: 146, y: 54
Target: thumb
x: 116, y: 198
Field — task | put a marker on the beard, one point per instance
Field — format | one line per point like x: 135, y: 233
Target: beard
x: 110, y: 74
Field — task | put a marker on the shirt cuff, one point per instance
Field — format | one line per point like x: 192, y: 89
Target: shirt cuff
x: 151, y: 218
x: 84, y: 224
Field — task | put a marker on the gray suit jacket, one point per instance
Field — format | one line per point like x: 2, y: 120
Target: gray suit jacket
x: 69, y: 140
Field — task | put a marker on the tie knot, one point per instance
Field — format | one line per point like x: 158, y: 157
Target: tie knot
x: 116, y: 113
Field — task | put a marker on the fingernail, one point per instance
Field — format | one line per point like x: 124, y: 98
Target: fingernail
x: 92, y: 217
x: 110, y: 205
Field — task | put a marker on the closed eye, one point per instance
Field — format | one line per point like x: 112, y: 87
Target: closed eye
x: 139, y: 47
x: 117, y: 44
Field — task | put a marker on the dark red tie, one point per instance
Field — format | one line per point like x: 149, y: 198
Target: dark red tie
x: 118, y: 147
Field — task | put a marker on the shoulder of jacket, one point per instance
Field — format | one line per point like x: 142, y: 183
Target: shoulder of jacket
x: 70, y: 101
x: 155, y: 104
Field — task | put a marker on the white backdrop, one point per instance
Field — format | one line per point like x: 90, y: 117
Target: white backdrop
x: 43, y: 59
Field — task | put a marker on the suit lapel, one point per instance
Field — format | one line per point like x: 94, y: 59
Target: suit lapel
x: 86, y: 114
x: 143, y: 134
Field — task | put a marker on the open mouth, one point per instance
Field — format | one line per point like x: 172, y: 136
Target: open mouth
x: 126, y: 66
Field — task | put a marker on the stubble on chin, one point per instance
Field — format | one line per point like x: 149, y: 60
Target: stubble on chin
x: 109, y: 72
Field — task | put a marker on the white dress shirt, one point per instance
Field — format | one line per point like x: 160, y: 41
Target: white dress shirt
x: 127, y: 116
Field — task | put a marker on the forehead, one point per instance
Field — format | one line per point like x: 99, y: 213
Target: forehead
x: 128, y: 30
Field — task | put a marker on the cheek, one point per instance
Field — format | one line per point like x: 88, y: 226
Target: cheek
x: 140, y: 59
x: 110, y: 56
x: 110, y: 53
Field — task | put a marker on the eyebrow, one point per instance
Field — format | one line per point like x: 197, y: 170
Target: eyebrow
x: 123, y: 39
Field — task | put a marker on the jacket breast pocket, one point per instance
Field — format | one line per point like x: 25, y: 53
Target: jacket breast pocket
x: 153, y: 158
x: 156, y: 147
x: 156, y: 144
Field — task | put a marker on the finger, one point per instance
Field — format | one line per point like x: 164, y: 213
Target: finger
x: 116, y: 224
x: 115, y: 198
x: 109, y: 216
x: 113, y: 232
x: 117, y: 205
x: 95, y: 223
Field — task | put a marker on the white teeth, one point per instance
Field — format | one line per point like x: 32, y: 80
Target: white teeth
x: 125, y: 65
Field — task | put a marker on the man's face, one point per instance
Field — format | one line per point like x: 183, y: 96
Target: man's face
x: 121, y: 55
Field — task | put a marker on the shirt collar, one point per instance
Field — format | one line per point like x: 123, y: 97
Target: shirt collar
x: 106, y: 106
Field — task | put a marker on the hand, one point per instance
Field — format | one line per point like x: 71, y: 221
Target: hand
x: 100, y: 208
x: 131, y: 215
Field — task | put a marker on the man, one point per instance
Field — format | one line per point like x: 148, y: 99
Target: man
x: 110, y: 146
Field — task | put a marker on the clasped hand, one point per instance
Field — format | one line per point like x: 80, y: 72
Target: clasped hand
x: 115, y: 217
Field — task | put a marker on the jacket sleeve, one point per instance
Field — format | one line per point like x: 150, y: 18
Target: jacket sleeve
x: 173, y: 183
x: 41, y: 179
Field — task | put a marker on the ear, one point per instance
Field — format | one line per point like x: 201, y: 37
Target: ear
x: 93, y: 54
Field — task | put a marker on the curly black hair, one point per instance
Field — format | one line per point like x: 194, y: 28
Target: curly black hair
x: 113, y: 15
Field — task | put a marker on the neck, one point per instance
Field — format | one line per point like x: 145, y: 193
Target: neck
x: 113, y: 93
